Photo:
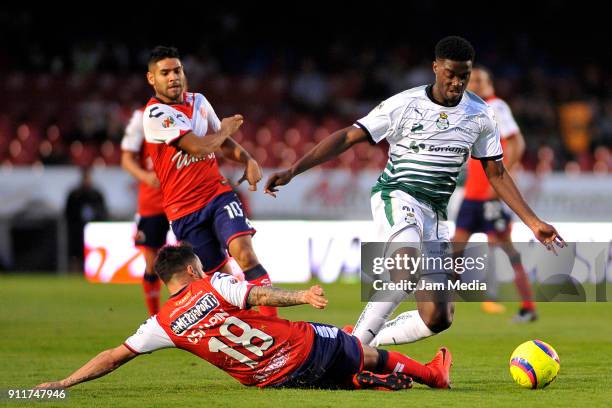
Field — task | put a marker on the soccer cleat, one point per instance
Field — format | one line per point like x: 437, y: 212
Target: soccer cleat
x: 348, y: 329
x: 440, y: 366
x: 525, y: 316
x: 382, y: 382
x: 492, y: 307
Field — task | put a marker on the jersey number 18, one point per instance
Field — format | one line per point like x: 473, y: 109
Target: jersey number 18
x: 245, y: 340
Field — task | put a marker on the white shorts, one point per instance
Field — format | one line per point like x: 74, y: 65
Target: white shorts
x: 397, y: 212
x: 399, y: 218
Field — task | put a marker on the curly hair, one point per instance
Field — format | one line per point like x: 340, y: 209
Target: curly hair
x: 455, y: 48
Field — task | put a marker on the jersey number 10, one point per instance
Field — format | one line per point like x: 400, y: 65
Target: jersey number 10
x: 234, y: 210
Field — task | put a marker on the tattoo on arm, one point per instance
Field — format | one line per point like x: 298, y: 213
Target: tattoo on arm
x: 271, y: 296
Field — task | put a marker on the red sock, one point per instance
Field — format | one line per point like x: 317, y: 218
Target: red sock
x: 393, y: 361
x: 258, y: 276
x: 151, y: 285
x: 522, y: 285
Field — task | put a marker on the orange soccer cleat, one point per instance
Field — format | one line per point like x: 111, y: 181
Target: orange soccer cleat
x: 440, y: 366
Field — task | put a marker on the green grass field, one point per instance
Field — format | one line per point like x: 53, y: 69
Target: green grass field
x: 50, y: 326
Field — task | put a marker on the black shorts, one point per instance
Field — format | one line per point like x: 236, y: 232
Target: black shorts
x: 152, y: 231
x: 489, y: 217
x: 333, y: 361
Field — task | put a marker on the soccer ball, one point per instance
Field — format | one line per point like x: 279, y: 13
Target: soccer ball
x: 534, y: 364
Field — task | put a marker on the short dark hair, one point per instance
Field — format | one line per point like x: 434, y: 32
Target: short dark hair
x: 455, y: 48
x: 162, y: 52
x: 172, y: 259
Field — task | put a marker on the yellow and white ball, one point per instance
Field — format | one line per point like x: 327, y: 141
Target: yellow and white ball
x: 534, y: 364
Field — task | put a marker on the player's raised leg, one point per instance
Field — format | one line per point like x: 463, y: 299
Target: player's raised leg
x: 430, y: 317
x: 234, y: 229
x: 434, y: 314
x: 407, y: 222
x: 399, y: 224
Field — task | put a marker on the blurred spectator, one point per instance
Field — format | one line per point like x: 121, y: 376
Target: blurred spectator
x: 309, y: 89
x: 575, y: 121
x: 84, y: 85
x: 84, y: 204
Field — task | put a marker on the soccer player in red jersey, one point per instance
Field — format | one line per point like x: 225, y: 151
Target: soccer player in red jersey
x: 184, y: 134
x: 152, y: 223
x: 481, y: 209
x: 210, y: 317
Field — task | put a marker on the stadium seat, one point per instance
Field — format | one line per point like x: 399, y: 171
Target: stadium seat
x: 82, y: 154
x: 20, y: 156
x: 111, y: 153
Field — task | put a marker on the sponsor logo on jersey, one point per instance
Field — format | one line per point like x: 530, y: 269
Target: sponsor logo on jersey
x: 442, y: 123
x: 466, y: 131
x: 416, y: 127
x: 418, y: 147
x: 183, y: 159
x: 184, y: 298
x: 194, y: 314
x: 451, y: 149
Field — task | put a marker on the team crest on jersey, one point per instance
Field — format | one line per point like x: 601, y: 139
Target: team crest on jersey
x: 168, y: 122
x: 194, y: 314
x: 442, y: 123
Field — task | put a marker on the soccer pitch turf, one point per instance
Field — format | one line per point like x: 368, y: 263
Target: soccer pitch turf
x: 52, y: 325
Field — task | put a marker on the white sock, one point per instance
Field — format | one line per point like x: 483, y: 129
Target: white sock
x: 374, y: 315
x: 407, y: 327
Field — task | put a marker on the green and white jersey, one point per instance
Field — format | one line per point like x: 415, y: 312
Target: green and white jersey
x: 429, y: 142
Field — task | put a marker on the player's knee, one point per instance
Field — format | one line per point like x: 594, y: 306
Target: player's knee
x: 439, y: 319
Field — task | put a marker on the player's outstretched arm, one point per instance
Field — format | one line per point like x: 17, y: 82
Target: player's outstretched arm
x: 504, y: 186
x: 514, y: 149
x: 252, y: 172
x: 271, y: 296
x: 130, y: 163
x: 99, y: 366
x: 328, y: 148
x: 201, y: 146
